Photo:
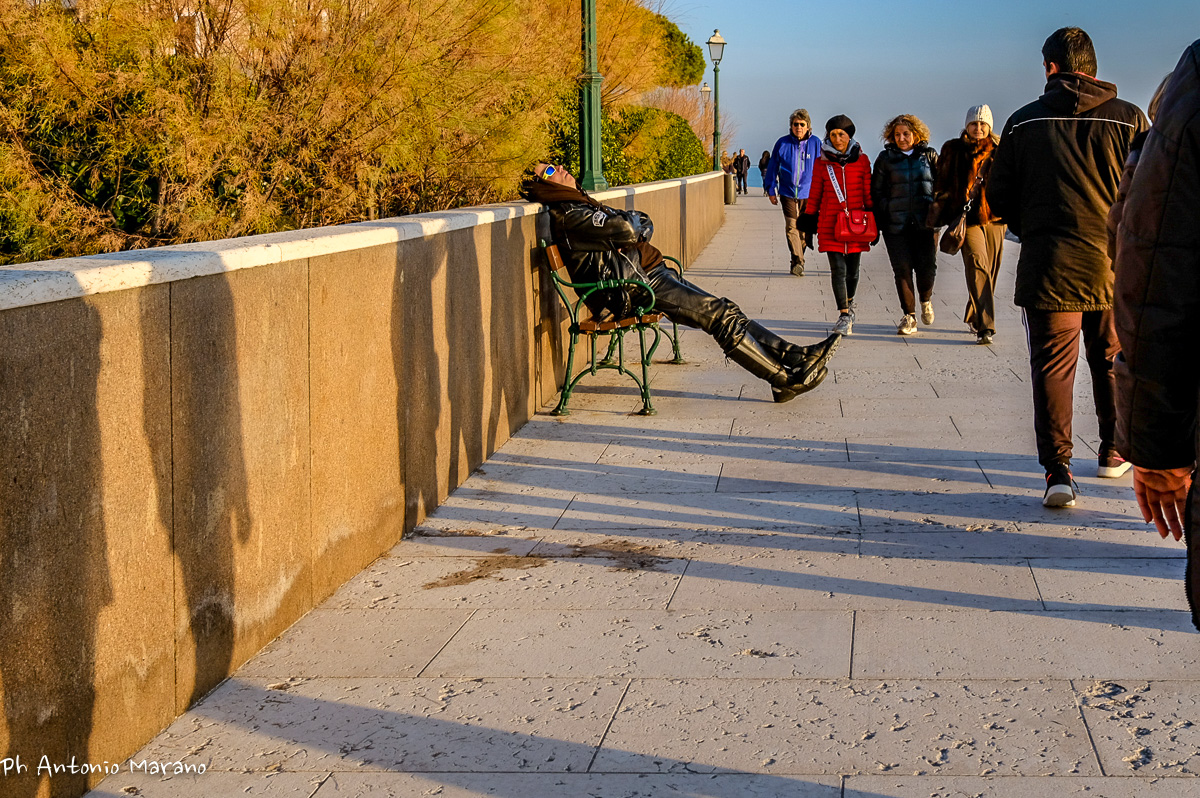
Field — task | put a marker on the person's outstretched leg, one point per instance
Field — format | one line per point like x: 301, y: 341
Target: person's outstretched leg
x: 685, y: 303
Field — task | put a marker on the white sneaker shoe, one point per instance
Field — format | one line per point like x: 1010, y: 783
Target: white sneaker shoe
x: 927, y: 313
x: 907, y: 325
x: 844, y: 325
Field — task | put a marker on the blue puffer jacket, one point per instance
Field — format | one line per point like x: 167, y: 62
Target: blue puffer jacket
x: 790, y: 169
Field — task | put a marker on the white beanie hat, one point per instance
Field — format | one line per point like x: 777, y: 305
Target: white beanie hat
x: 980, y: 113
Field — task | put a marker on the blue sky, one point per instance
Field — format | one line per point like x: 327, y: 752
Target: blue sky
x: 872, y: 60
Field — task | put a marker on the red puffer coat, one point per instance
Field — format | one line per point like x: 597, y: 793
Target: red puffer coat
x: 855, y: 180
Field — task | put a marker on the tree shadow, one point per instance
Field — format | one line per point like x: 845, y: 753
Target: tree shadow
x: 54, y: 571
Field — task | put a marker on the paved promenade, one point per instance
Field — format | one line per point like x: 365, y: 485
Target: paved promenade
x: 853, y: 595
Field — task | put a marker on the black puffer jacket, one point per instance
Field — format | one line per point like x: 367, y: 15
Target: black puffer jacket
x: 1158, y: 298
x: 1053, y: 180
x: 902, y: 186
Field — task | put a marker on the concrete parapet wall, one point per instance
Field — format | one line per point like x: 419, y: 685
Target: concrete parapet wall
x: 200, y: 443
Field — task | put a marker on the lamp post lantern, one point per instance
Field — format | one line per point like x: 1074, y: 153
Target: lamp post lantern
x: 716, y: 49
x: 591, y: 168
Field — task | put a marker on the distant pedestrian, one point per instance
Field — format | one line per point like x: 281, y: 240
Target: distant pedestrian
x: 963, y: 170
x: 901, y: 193
x: 741, y: 170
x: 1054, y: 178
x: 789, y: 176
x: 841, y: 185
x: 1157, y: 315
x: 726, y: 162
x: 762, y: 168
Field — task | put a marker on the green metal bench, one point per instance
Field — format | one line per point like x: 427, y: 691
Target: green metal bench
x: 642, y: 320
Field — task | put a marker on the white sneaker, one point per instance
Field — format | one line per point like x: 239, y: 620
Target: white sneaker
x: 927, y: 313
x: 907, y: 325
x: 844, y: 325
x: 853, y: 311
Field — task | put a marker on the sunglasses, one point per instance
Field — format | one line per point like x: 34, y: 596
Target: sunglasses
x: 549, y: 173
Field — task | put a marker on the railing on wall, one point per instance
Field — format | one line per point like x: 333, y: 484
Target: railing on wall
x: 200, y: 443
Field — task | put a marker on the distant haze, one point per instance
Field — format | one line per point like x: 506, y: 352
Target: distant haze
x: 874, y: 60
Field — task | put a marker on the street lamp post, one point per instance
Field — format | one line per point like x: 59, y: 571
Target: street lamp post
x: 591, y: 168
x: 716, y: 49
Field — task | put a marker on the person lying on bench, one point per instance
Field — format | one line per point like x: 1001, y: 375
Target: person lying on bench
x: 601, y: 243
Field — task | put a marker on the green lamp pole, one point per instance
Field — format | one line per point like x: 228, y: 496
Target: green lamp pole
x: 716, y: 49
x: 591, y: 167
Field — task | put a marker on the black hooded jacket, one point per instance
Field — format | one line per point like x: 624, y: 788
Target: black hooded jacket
x: 1054, y: 178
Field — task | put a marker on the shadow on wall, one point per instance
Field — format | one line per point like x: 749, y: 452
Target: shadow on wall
x: 53, y: 546
x: 208, y: 505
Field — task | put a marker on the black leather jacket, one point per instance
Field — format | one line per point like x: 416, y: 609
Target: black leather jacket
x: 601, y: 244
x: 902, y: 187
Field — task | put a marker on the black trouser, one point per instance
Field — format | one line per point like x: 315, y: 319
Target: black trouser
x: 912, y: 251
x: 843, y: 272
x: 740, y: 181
x: 1053, y: 353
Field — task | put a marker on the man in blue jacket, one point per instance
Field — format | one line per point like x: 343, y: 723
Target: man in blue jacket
x: 790, y: 170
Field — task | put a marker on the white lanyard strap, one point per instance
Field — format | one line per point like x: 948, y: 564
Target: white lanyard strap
x: 837, y: 188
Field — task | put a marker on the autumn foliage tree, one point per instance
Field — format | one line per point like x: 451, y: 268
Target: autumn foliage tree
x: 134, y: 123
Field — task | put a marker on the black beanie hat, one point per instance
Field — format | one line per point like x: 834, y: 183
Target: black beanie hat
x: 840, y: 122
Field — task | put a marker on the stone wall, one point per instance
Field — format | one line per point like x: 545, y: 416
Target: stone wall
x: 200, y: 443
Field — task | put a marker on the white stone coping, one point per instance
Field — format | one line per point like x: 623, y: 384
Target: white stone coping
x: 36, y: 283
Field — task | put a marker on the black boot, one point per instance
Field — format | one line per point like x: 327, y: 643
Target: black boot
x: 796, y: 358
x: 786, y: 384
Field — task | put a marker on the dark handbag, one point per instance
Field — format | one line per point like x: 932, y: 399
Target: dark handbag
x: 851, y: 227
x: 956, y: 231
x: 807, y: 223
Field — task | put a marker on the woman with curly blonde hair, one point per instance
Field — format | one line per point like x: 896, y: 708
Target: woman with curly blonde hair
x: 901, y: 193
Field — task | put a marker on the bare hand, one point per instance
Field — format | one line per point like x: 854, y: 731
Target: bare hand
x: 773, y: 200
x: 1162, y: 496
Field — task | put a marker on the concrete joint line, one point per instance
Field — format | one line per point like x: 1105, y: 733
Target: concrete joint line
x: 449, y: 640
x: 1087, y: 728
x: 604, y: 736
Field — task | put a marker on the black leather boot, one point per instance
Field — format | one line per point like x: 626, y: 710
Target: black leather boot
x: 801, y: 358
x: 786, y: 384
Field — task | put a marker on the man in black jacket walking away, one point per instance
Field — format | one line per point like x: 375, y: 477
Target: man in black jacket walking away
x: 1054, y: 178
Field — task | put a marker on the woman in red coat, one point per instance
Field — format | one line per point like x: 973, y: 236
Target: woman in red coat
x: 842, y: 162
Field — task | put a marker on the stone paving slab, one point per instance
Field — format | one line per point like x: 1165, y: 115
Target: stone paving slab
x: 789, y: 581
x: 753, y: 475
x: 617, y: 580
x: 633, y: 785
x: 1029, y: 644
x: 848, y: 727
x: 856, y: 593
x: 644, y: 644
x: 394, y: 724
x: 1010, y: 787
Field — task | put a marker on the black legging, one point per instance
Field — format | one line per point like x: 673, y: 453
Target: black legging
x: 843, y: 272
